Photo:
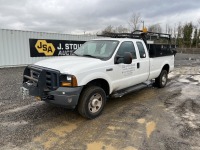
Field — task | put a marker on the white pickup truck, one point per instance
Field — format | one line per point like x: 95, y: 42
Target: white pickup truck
x: 100, y: 68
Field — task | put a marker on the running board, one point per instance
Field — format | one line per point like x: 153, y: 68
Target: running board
x: 125, y: 91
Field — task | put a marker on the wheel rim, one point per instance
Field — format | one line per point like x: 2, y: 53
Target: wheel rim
x: 95, y: 103
x: 164, y: 79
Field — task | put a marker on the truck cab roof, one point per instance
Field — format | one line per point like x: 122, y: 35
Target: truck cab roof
x: 117, y: 39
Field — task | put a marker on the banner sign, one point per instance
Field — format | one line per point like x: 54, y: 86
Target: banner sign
x: 45, y: 47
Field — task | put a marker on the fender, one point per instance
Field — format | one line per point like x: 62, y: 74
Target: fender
x: 96, y: 75
x: 158, y: 63
x: 169, y: 62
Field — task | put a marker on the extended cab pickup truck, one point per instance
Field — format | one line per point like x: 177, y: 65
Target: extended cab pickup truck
x: 100, y: 68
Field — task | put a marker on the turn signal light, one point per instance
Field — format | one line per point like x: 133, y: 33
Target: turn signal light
x: 66, y: 84
x: 72, y: 83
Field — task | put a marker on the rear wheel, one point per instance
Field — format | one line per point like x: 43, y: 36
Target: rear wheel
x: 161, y: 81
x: 92, y: 102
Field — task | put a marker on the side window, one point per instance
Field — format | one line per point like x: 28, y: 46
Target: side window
x: 141, y: 49
x: 127, y: 47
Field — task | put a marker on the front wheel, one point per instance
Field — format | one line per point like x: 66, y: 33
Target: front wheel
x: 92, y: 102
x: 161, y: 81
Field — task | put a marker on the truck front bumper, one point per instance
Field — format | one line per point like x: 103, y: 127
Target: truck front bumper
x: 63, y: 96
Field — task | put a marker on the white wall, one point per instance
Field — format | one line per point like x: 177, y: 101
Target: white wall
x: 15, y: 50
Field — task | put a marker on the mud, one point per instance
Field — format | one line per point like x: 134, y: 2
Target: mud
x: 149, y: 119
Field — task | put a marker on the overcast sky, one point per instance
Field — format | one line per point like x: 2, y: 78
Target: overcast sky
x: 91, y: 16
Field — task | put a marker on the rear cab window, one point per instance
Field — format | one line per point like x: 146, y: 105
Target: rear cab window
x: 141, y: 49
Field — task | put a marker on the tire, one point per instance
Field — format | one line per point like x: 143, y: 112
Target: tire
x: 161, y: 80
x: 92, y: 102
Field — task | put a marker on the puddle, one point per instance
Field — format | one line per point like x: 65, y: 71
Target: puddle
x: 113, y: 128
x: 141, y: 121
x: 190, y: 92
x: 150, y: 127
x: 62, y: 130
x: 54, y: 135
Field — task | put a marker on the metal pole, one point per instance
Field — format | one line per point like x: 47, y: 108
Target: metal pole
x: 142, y: 23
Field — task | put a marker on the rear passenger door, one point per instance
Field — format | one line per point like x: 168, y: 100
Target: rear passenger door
x: 143, y: 61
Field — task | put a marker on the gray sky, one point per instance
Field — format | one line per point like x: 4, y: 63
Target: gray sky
x: 91, y: 16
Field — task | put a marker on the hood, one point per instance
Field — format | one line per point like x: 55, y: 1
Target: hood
x: 68, y: 64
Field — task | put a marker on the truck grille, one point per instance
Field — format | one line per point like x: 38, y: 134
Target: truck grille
x: 52, y: 80
x: 46, y: 78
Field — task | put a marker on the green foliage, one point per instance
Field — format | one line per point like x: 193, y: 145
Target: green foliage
x: 187, y: 34
x: 198, y: 39
x: 195, y: 38
x: 184, y: 35
x: 179, y: 40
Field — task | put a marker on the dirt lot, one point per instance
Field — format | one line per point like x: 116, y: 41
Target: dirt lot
x: 150, y: 119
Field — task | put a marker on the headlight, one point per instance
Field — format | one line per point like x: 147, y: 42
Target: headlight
x: 68, y: 80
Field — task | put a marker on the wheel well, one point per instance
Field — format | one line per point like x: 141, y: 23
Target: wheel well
x: 166, y: 67
x: 101, y: 83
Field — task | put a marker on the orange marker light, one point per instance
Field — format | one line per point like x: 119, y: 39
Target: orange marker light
x: 144, y: 30
x: 66, y: 84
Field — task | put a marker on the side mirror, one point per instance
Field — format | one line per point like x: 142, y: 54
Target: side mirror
x: 127, y: 58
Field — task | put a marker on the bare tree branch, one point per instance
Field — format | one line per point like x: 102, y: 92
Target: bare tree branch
x: 118, y: 29
x: 155, y: 28
x: 199, y: 21
x: 134, y: 21
x: 108, y: 29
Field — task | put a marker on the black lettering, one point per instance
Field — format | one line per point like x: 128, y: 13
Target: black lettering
x: 49, y: 49
x: 40, y: 46
x: 45, y: 47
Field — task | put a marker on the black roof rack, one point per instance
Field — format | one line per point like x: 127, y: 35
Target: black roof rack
x: 138, y: 34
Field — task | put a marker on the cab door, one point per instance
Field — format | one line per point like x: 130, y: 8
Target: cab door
x: 125, y: 75
x: 143, y: 64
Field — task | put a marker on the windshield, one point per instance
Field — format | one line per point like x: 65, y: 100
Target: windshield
x: 102, y: 49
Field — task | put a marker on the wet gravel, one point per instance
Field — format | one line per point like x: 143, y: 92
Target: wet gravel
x: 150, y: 119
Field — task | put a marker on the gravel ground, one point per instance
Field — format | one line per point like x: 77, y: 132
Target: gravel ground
x: 150, y: 119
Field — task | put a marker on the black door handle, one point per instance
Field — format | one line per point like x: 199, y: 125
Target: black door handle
x: 138, y: 65
x: 110, y: 69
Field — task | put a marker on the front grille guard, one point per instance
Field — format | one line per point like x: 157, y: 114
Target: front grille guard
x: 44, y: 79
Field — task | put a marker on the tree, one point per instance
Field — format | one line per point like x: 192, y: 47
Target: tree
x: 174, y: 34
x: 121, y: 29
x: 111, y: 29
x: 180, y: 35
x: 155, y: 28
x: 198, y: 38
x: 108, y: 29
x: 168, y: 29
x: 195, y: 38
x: 187, y: 34
x: 135, y: 21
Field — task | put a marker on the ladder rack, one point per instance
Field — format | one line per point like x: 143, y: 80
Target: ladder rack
x: 139, y: 34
